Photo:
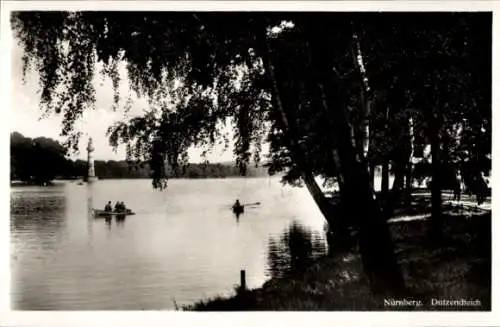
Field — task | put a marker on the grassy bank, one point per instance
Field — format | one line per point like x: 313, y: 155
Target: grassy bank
x: 457, y: 268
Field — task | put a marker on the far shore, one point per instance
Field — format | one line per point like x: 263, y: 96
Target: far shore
x: 80, y: 179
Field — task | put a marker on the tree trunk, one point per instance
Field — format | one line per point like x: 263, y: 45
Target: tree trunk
x: 436, y: 222
x: 408, y: 181
x: 321, y: 201
x: 399, y: 178
x: 394, y: 196
x: 365, y: 98
x: 409, y: 168
x: 401, y: 164
x: 384, y: 187
x: 408, y: 188
x: 375, y: 244
x: 372, y: 172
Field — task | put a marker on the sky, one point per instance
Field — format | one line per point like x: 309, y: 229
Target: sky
x: 26, y: 116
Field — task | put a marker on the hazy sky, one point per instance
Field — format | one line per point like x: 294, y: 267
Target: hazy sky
x: 26, y: 115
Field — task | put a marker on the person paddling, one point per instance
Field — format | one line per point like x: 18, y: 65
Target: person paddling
x: 237, y: 207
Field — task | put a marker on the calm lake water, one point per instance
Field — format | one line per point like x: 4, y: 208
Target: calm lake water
x: 184, y: 243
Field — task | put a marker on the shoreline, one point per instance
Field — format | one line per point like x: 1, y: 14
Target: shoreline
x: 455, y: 276
x: 53, y: 182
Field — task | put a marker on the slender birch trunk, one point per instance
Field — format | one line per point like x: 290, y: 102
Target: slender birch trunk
x: 291, y: 131
x: 365, y: 98
x: 409, y: 169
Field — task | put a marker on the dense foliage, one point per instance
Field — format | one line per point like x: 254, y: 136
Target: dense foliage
x: 42, y: 160
x: 37, y: 160
x: 411, y: 64
x: 123, y: 169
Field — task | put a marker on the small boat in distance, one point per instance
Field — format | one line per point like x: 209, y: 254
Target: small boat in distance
x: 238, y: 210
x: 103, y: 213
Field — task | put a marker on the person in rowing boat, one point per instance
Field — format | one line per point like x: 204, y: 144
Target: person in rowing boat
x: 108, y: 207
x: 237, y: 207
x: 120, y: 212
x: 122, y: 206
x: 118, y: 206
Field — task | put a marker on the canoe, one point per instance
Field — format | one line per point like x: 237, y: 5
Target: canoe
x: 102, y: 213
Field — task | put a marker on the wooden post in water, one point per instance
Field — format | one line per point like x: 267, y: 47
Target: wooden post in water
x: 243, y: 283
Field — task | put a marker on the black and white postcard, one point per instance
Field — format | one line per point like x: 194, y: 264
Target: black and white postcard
x: 254, y: 156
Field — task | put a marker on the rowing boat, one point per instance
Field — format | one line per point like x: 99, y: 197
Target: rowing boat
x: 102, y: 213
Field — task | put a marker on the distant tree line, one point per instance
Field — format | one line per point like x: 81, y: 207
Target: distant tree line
x: 41, y: 160
x: 127, y: 169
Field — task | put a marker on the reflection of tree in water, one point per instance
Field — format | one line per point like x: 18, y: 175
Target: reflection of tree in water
x: 37, y: 211
x: 38, y: 215
x: 90, y: 218
x: 294, y: 250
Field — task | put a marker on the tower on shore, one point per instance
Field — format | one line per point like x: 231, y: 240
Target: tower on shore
x: 90, y: 163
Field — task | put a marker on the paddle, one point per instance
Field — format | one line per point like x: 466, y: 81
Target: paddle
x: 251, y: 204
x: 248, y: 204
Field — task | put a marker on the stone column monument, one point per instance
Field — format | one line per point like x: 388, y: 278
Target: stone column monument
x: 90, y: 178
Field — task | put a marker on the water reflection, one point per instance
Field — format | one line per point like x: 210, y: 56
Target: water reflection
x: 64, y: 258
x: 90, y: 203
x: 38, y: 216
x: 40, y: 211
x: 295, y: 250
x: 90, y: 217
x: 120, y: 221
x: 108, y: 221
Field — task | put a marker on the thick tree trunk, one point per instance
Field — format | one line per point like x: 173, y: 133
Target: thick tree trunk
x: 375, y: 244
